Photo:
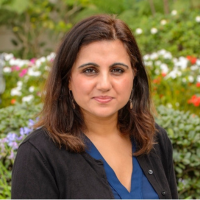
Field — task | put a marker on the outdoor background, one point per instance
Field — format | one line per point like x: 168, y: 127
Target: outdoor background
x: 168, y: 34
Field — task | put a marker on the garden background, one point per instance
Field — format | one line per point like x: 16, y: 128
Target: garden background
x: 168, y: 34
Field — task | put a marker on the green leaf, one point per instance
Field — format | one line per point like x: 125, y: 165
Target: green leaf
x: 18, y: 6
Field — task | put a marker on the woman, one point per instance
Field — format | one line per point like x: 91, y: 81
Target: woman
x: 98, y: 138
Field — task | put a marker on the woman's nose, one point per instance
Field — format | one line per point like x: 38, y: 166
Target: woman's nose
x: 104, y: 82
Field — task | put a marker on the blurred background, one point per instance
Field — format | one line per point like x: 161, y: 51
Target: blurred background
x: 168, y: 34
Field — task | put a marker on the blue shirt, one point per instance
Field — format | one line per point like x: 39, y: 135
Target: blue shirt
x: 140, y: 186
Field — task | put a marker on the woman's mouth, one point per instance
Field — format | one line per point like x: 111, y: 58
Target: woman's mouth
x: 103, y: 99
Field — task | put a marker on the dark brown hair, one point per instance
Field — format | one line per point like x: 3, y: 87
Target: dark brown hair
x: 65, y: 124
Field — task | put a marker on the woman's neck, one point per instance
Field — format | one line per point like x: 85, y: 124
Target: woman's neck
x: 101, y: 127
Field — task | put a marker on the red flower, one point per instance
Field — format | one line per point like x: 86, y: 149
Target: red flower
x: 13, y: 101
x: 163, y: 74
x: 198, y: 84
x: 192, y: 59
x: 194, y: 100
x: 157, y: 80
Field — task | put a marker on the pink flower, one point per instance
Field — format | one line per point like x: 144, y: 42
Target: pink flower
x: 33, y: 60
x: 15, y: 68
x: 23, y: 72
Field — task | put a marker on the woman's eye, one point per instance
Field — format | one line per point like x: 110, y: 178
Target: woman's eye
x: 117, y: 71
x: 89, y: 71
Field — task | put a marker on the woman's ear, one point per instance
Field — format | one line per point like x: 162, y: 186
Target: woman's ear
x: 135, y: 72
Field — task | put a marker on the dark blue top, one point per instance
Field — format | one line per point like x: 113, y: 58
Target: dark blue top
x: 140, y: 186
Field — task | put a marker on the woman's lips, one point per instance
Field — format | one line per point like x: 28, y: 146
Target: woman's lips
x: 103, y: 99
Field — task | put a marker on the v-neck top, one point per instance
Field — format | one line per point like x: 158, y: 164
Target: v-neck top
x: 140, y: 186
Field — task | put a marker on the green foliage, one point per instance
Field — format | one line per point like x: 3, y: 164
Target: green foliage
x: 14, y: 121
x: 12, y: 118
x: 25, y: 79
x: 172, y: 77
x: 177, y: 33
x: 184, y: 132
x: 183, y: 129
x: 31, y: 20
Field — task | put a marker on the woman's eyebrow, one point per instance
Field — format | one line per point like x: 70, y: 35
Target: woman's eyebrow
x: 90, y: 63
x: 94, y: 64
x: 118, y: 63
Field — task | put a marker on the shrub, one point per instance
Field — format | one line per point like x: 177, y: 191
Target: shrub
x: 177, y: 32
x: 24, y: 79
x: 16, y: 123
x: 183, y: 129
x: 172, y: 77
x: 184, y: 132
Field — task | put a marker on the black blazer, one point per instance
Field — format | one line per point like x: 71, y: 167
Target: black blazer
x: 43, y: 171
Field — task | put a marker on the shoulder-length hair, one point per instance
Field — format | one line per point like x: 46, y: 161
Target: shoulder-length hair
x: 64, y: 124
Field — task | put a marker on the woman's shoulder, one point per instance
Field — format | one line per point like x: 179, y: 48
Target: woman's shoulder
x: 37, y: 137
x: 40, y: 140
x: 161, y: 135
x: 163, y: 145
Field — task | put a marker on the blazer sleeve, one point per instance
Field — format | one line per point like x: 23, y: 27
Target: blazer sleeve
x: 166, y: 151
x: 31, y: 175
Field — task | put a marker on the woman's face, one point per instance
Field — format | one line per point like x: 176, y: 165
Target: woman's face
x: 102, y: 78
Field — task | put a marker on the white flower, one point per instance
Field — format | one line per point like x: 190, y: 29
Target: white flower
x: 12, y: 61
x: 15, y: 92
x: 163, y: 22
x: 158, y: 63
x: 177, y: 104
x: 18, y: 62
x: 42, y: 59
x: 167, y: 55
x: 138, y: 31
x: 146, y: 57
x: 154, y: 30
x: 175, y: 60
x: 197, y: 19
x: 169, y: 105
x: 38, y: 63
x: 174, y: 73
x: 8, y: 56
x: 7, y: 69
x: 164, y: 68
x: 194, y: 67
x: 148, y: 63
x: 181, y: 62
x: 153, y: 56
x: 31, y: 72
x: 19, y: 83
x: 162, y: 52
x: 157, y: 71
x: 51, y: 56
x: 198, y: 78
x: 191, y: 79
x: 31, y: 89
x: 198, y: 62
x: 27, y: 98
x: 174, y: 12
x: 184, y: 80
